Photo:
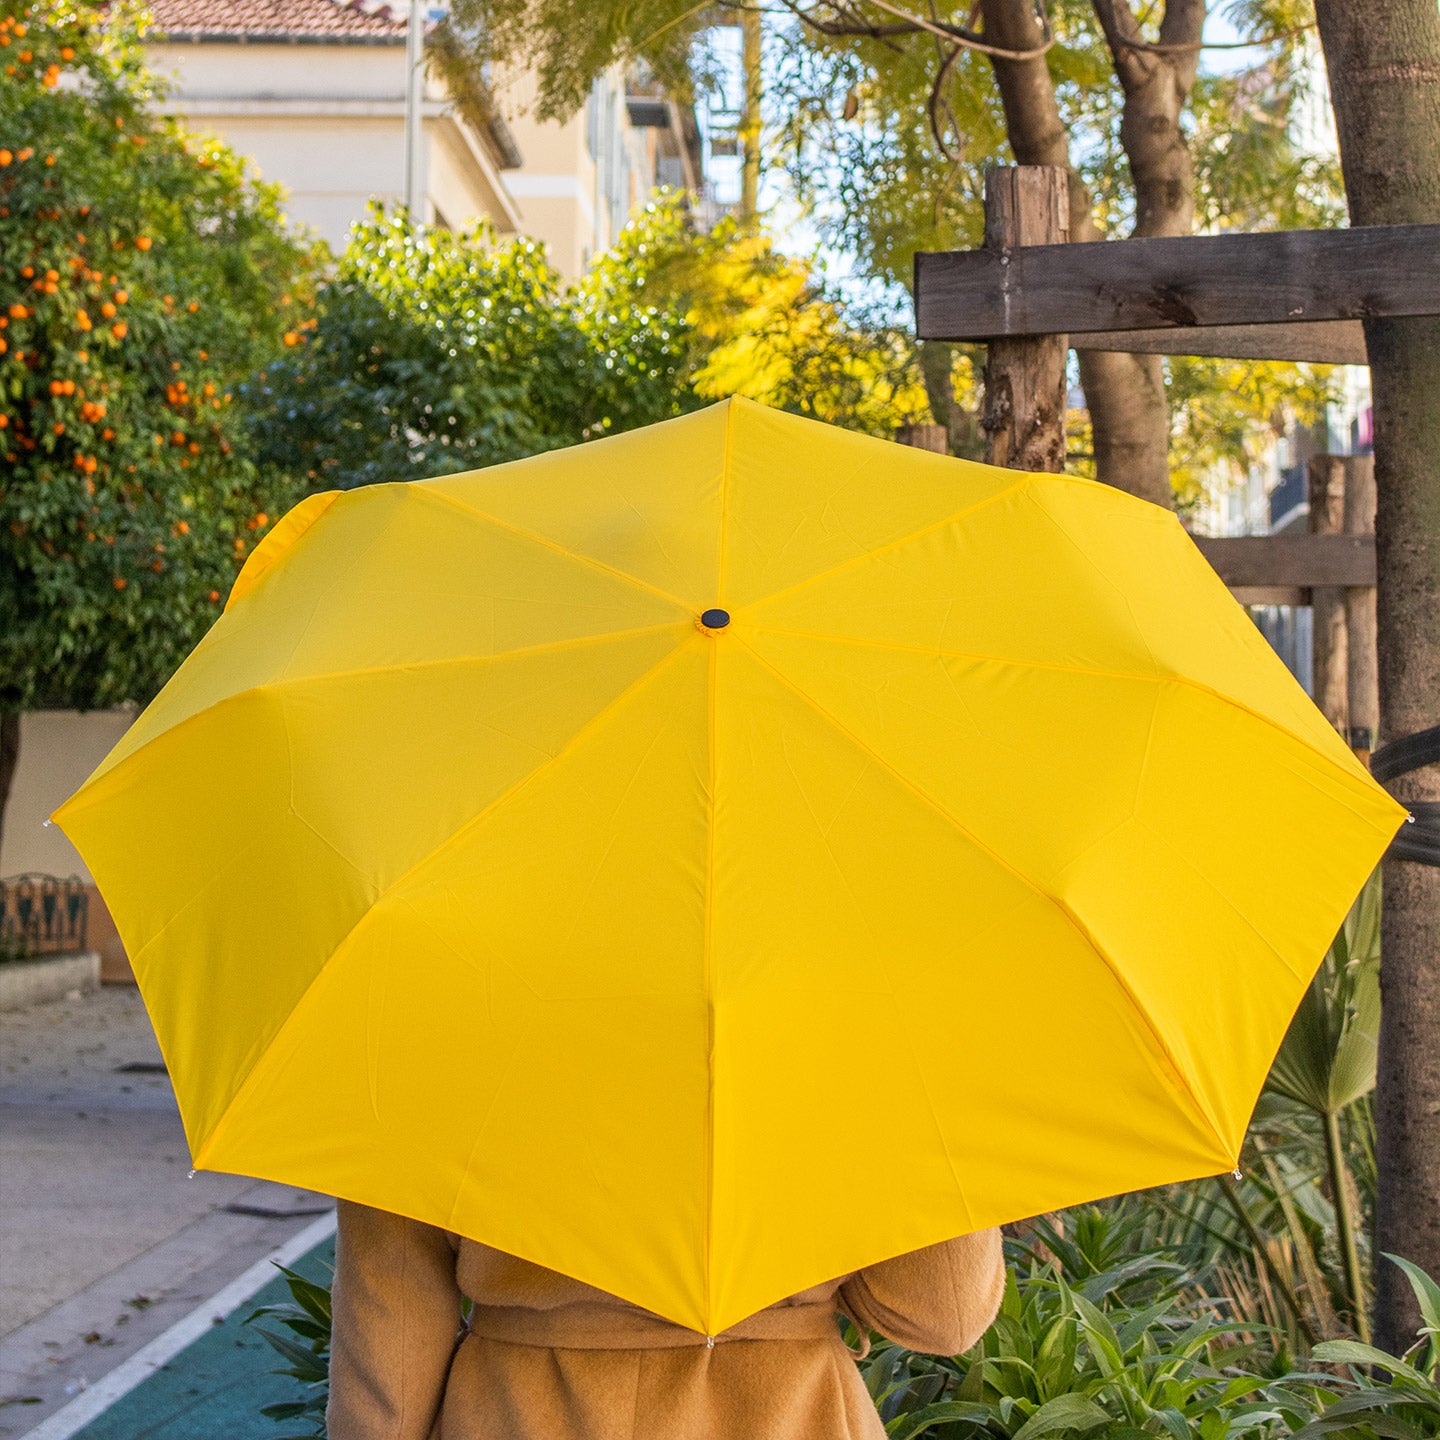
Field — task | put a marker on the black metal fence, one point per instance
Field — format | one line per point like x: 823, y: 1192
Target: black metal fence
x: 42, y: 915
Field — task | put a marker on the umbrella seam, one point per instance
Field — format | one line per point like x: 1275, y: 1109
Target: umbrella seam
x: 1185, y: 1085
x: 1090, y: 561
x: 892, y: 544
x: 882, y: 961
x: 1013, y: 663
x: 707, y: 974
x: 1169, y: 672
x: 106, y: 767
x: 285, y: 682
x: 725, y: 464
x: 555, y: 545
x: 1356, y: 784
x: 707, y: 980
x: 424, y: 860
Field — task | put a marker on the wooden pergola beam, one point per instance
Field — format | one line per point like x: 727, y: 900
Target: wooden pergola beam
x: 1290, y: 562
x: 1277, y: 277
x: 1319, y: 342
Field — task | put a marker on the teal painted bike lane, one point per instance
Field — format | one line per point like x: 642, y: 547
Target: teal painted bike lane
x: 214, y: 1388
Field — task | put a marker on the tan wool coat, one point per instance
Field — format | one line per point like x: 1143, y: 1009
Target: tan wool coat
x: 544, y: 1357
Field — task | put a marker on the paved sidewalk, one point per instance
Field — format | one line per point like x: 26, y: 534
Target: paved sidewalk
x: 104, y: 1240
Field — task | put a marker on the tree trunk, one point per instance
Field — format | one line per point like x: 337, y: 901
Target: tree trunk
x: 1135, y: 439
x: 1125, y: 394
x: 1384, y: 66
x: 750, y: 116
x: 962, y: 426
x: 9, y: 759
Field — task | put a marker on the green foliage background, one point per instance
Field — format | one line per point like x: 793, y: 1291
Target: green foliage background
x: 433, y: 351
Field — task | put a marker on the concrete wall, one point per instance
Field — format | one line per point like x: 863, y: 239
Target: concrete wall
x: 58, y: 751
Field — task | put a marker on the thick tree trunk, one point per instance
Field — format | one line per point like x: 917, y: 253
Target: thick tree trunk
x: 1135, y: 440
x: 1125, y: 394
x: 962, y: 426
x: 1384, y: 64
x: 9, y: 759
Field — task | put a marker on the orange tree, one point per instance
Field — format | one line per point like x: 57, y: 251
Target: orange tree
x: 143, y: 275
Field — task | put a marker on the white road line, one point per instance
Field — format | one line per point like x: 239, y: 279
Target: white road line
x: 100, y: 1396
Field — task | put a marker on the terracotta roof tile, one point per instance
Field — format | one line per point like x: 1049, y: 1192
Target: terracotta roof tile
x: 337, y: 20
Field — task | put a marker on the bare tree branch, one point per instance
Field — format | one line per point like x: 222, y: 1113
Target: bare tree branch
x: 851, y: 22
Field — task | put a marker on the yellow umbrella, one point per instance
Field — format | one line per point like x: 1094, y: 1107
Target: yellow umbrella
x: 721, y: 856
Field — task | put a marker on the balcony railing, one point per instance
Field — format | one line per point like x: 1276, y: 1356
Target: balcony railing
x: 42, y: 915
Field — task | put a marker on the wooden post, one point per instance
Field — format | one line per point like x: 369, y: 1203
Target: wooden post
x: 1328, y: 665
x: 1361, y: 663
x: 1024, y: 411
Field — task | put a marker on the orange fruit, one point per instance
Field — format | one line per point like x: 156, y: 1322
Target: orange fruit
x: 142, y: 242
x: 119, y: 329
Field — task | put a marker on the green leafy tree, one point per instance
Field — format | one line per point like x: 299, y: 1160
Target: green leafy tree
x: 884, y: 117
x: 143, y: 274
x: 436, y: 351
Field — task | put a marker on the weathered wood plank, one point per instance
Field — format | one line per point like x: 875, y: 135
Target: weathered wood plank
x: 1291, y: 560
x: 1319, y: 342
x: 1169, y: 283
x: 1361, y: 633
x: 1023, y: 411
x: 1328, y: 662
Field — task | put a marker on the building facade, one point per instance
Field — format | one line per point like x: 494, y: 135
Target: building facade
x: 314, y: 92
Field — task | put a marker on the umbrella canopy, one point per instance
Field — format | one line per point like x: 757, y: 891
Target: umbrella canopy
x: 718, y: 857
